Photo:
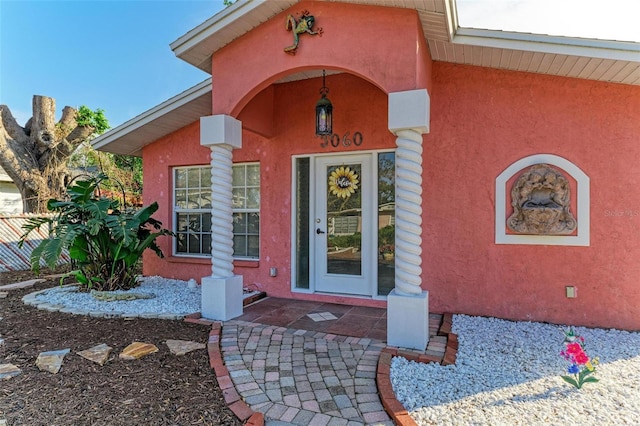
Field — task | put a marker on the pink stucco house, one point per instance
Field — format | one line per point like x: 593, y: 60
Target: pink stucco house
x: 468, y: 171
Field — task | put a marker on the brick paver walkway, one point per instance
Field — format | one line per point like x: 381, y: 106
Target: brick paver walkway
x: 304, y: 377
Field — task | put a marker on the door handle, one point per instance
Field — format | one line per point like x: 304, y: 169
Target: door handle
x: 319, y: 231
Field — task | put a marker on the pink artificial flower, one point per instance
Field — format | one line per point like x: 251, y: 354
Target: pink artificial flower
x: 581, y: 358
x: 574, y: 348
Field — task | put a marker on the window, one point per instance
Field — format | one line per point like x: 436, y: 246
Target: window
x: 246, y: 211
x: 192, y: 210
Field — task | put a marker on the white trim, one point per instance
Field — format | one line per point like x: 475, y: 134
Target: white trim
x: 220, y: 129
x: 154, y: 113
x: 410, y: 109
x: 583, y: 204
x: 294, y: 207
x: 572, y: 46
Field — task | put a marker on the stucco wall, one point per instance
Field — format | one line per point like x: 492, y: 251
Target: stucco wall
x: 382, y: 45
x: 482, y: 121
x: 294, y: 134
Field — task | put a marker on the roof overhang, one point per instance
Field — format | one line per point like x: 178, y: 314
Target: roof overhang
x: 610, y: 61
x: 130, y: 137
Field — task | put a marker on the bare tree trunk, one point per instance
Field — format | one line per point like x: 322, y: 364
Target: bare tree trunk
x: 35, y: 156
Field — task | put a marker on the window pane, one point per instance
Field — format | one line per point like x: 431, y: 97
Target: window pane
x: 206, y: 222
x: 181, y: 178
x: 240, y: 245
x: 195, y: 222
x: 192, y: 199
x: 205, y: 177
x: 253, y: 198
x: 253, y: 175
x: 194, y: 243
x: 181, y: 199
x: 239, y: 199
x: 193, y: 178
x: 386, y: 222
x: 181, y: 243
x: 239, y: 223
x: 238, y: 175
x: 302, y: 218
x: 253, y: 223
x: 253, y: 249
x: 206, y: 243
x: 205, y: 199
x: 181, y: 222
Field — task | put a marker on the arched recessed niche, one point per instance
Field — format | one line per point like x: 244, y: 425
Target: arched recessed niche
x: 535, y: 201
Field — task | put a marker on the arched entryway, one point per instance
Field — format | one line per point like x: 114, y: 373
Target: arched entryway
x: 267, y: 94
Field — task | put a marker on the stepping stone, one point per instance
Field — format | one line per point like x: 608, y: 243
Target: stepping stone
x: 3, y: 294
x: 137, y: 350
x: 181, y: 347
x: 21, y: 284
x: 51, y: 361
x: 322, y: 316
x: 98, y: 354
x: 8, y: 370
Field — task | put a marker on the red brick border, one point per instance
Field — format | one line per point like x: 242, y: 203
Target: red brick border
x: 216, y: 362
x: 391, y: 404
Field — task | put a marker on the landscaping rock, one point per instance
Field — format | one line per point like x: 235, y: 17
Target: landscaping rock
x: 98, y: 354
x: 137, y: 350
x: 181, y: 347
x: 51, y: 361
x: 8, y: 370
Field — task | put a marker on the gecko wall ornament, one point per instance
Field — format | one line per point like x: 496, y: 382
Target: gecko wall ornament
x: 303, y: 25
x: 541, y: 203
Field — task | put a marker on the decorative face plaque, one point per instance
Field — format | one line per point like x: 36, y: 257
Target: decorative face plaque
x: 541, y: 203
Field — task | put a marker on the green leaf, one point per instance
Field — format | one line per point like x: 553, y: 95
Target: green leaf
x: 591, y: 380
x: 570, y: 380
x: 81, y: 278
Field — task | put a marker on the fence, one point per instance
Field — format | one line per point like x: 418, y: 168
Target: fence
x: 13, y: 258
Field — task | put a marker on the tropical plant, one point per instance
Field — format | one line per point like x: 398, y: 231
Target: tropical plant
x: 104, y: 243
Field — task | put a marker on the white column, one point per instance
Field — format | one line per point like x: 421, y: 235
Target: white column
x: 222, y: 291
x: 408, y: 304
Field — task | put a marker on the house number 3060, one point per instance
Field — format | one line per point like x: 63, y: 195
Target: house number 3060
x: 335, y: 140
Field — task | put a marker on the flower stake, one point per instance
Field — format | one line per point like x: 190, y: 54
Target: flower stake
x: 581, y: 367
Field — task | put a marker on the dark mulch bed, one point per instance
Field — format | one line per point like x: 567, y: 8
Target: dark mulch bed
x: 159, y: 389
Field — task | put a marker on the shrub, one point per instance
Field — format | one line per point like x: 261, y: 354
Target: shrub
x: 104, y: 243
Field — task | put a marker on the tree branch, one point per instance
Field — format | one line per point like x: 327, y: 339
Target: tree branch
x: 67, y: 122
x: 43, y: 124
x: 11, y: 126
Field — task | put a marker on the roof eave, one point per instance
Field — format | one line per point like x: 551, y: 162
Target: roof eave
x: 194, y: 46
x: 123, y: 140
x: 592, y: 48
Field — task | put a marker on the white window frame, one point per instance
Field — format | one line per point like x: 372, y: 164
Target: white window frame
x: 176, y: 210
x: 248, y: 210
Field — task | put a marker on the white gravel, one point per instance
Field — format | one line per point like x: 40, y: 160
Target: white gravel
x: 169, y: 297
x: 508, y: 373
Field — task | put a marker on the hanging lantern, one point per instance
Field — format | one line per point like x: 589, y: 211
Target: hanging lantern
x: 324, y: 112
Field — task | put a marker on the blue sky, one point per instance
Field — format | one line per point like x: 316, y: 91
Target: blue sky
x: 105, y: 54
